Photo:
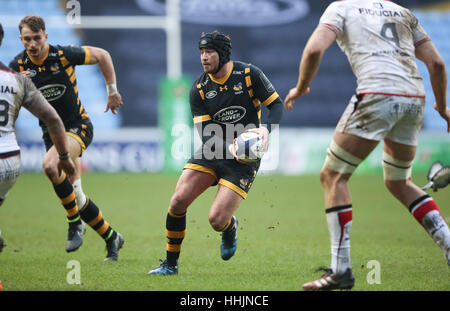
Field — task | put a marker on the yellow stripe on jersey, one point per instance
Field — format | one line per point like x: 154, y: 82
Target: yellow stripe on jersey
x: 250, y: 93
x: 203, y: 118
x: 202, y: 95
x: 271, y: 98
x: 246, y: 70
x: 69, y: 70
x: 87, y: 57
x: 248, y: 81
x: 63, y: 60
x: 73, y: 77
x: 256, y: 103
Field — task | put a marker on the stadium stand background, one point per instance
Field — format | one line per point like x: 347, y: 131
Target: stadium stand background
x: 140, y: 59
x: 272, y: 43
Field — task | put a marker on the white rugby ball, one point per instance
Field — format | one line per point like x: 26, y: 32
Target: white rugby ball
x: 249, y: 147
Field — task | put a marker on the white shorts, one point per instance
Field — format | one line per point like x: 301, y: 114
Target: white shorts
x: 9, y: 172
x: 378, y: 116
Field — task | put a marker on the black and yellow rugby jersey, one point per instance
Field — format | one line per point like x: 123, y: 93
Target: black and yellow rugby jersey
x: 234, y: 99
x: 55, y: 77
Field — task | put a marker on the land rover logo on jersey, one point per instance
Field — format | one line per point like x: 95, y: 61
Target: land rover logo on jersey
x: 230, y: 114
x: 211, y: 94
x: 53, y: 92
x: 233, y: 12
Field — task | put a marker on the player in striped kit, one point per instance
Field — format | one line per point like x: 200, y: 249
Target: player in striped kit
x: 16, y: 91
x: 381, y: 41
x: 52, y: 70
x: 225, y: 101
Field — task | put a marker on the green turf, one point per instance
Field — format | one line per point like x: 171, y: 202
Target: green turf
x: 282, y: 235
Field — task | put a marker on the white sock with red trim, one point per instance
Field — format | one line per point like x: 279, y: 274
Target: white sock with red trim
x: 339, y: 220
x: 425, y: 210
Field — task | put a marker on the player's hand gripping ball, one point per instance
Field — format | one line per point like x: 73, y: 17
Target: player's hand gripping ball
x: 249, y: 147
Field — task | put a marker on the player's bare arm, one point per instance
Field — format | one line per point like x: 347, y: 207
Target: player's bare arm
x: 38, y: 106
x: 318, y: 43
x: 103, y: 59
x: 428, y: 54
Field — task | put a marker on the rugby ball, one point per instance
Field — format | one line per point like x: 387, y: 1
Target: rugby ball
x: 249, y: 147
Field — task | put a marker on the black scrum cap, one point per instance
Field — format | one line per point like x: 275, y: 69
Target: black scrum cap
x: 220, y: 43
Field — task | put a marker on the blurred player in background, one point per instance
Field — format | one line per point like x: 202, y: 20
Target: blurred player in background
x: 381, y: 41
x: 52, y: 69
x: 225, y: 101
x: 18, y: 91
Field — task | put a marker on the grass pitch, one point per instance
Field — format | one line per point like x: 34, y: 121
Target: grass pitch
x: 282, y: 238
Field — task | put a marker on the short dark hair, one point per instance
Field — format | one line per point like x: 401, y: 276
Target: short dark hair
x: 34, y: 22
x: 1, y: 33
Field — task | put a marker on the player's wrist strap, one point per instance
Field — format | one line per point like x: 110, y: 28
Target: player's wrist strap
x: 111, y: 89
x: 64, y: 156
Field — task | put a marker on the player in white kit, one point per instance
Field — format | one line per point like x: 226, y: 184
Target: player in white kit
x: 16, y: 91
x: 382, y: 41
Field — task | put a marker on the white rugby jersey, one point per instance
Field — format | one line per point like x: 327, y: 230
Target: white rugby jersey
x: 15, y: 90
x: 379, y: 39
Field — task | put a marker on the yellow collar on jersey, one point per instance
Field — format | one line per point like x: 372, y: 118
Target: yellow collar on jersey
x: 39, y: 62
x: 225, y: 77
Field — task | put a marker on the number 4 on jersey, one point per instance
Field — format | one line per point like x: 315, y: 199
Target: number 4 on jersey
x: 389, y: 32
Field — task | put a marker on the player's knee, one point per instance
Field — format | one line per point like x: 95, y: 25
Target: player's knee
x: 325, y: 177
x: 339, y: 165
x: 396, y: 186
x: 330, y: 179
x: 217, y: 221
x: 50, y: 170
x: 179, y: 203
